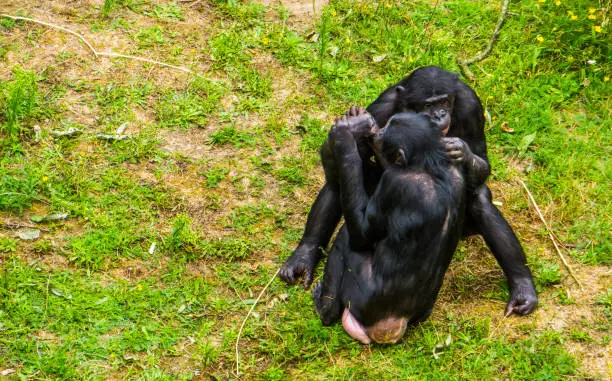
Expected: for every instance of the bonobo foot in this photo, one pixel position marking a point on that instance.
(523, 298)
(301, 263)
(328, 307)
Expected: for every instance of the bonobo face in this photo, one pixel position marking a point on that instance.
(439, 109)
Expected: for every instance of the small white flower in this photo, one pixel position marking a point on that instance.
(591, 62)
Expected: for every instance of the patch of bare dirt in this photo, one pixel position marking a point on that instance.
(134, 270)
(192, 143)
(302, 13)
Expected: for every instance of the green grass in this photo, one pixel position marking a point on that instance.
(172, 233)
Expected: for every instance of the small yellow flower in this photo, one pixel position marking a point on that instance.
(112, 355)
(554, 28)
(570, 13)
(347, 41)
(139, 287)
(192, 51)
(541, 1)
(597, 28)
(591, 17)
(281, 33)
(557, 3)
(387, 5)
(592, 10)
(570, 58)
(333, 13)
(265, 41)
(606, 79)
(540, 39)
(45, 179)
(573, 17)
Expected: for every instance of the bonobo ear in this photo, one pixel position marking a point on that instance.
(400, 158)
(400, 89)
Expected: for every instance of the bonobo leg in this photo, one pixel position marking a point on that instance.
(326, 293)
(506, 248)
(320, 225)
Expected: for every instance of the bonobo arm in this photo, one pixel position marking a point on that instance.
(387, 104)
(325, 212)
(476, 168)
(353, 196)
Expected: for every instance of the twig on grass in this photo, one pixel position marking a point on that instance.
(247, 317)
(110, 54)
(463, 64)
(59, 27)
(551, 234)
(96, 53)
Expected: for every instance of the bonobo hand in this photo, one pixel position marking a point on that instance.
(358, 121)
(458, 150)
(523, 299)
(301, 263)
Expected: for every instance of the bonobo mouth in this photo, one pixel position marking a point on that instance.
(386, 331)
(445, 127)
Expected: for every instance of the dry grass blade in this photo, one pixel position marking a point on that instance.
(247, 317)
(551, 234)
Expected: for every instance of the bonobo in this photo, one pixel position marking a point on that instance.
(456, 111)
(388, 261)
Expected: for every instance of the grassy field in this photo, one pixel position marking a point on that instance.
(154, 241)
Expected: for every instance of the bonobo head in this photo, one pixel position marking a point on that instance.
(430, 91)
(406, 140)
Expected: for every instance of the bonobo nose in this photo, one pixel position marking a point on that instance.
(440, 114)
(388, 330)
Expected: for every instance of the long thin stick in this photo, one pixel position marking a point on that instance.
(110, 54)
(247, 317)
(463, 64)
(94, 51)
(54, 27)
(551, 234)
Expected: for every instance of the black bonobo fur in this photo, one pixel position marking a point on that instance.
(455, 110)
(390, 256)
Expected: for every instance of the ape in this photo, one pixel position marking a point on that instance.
(456, 111)
(388, 261)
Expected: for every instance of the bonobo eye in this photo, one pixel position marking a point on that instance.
(427, 106)
(445, 103)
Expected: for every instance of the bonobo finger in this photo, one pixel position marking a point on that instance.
(524, 308)
(453, 146)
(509, 311)
(353, 111)
(287, 275)
(307, 279)
(361, 111)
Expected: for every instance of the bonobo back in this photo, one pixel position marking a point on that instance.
(414, 219)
